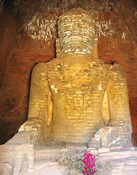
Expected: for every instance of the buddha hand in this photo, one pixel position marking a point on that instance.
(31, 125)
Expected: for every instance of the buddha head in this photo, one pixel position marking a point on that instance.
(76, 30)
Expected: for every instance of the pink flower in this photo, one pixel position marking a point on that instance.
(89, 164)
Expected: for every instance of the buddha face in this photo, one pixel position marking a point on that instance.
(76, 32)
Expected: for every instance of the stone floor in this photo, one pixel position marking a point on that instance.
(24, 160)
(124, 161)
(20, 157)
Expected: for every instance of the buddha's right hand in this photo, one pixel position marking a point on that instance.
(29, 133)
(31, 125)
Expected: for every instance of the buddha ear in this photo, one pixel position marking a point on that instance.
(94, 53)
(58, 48)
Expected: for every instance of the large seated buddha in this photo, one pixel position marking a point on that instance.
(76, 94)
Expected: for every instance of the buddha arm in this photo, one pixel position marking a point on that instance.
(119, 104)
(40, 104)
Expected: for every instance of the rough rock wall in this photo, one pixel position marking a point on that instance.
(25, 54)
(116, 28)
(7, 37)
(18, 54)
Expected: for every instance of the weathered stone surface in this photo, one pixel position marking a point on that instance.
(16, 159)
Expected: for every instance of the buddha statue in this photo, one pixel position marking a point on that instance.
(74, 95)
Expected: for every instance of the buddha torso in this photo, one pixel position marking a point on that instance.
(77, 87)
